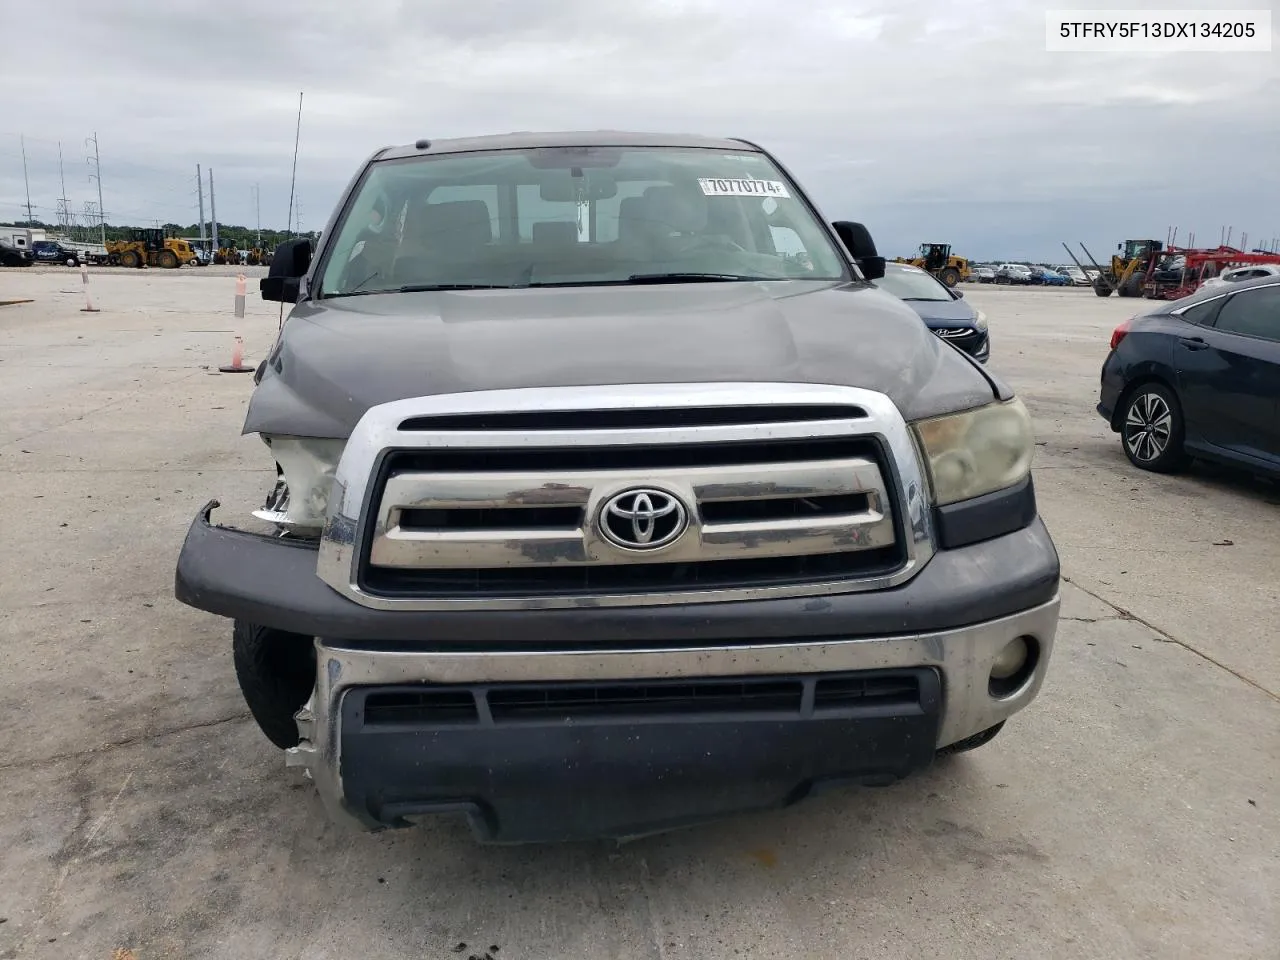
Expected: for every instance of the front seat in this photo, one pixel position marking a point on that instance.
(441, 237)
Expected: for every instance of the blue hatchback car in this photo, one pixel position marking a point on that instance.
(942, 308)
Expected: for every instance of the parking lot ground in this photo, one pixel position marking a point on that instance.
(1132, 811)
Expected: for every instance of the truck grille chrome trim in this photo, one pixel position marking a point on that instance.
(448, 519)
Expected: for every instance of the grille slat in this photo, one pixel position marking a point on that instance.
(623, 419)
(568, 701)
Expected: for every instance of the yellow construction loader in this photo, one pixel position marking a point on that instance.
(150, 248)
(937, 259)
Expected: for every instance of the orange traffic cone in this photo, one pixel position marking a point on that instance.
(237, 358)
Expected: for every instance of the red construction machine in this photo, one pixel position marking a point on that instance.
(1179, 272)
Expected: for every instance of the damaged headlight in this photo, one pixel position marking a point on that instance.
(304, 476)
(978, 451)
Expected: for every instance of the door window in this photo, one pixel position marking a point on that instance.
(1252, 313)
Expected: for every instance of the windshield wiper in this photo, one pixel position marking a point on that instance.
(687, 277)
(428, 287)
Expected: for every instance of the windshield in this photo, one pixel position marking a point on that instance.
(912, 285)
(575, 216)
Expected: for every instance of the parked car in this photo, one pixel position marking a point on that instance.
(1236, 275)
(592, 537)
(1077, 276)
(1014, 273)
(1199, 377)
(12, 256)
(1049, 278)
(942, 308)
(51, 251)
(984, 275)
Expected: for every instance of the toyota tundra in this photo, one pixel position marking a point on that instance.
(610, 495)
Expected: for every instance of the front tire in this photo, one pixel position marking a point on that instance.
(130, 259)
(950, 276)
(168, 260)
(1152, 429)
(276, 671)
(1102, 288)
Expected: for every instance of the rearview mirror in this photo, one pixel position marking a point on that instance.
(857, 240)
(289, 265)
(569, 189)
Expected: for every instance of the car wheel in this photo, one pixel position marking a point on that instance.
(1151, 428)
(276, 672)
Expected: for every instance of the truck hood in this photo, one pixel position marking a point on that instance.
(336, 358)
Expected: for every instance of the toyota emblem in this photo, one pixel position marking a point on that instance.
(643, 519)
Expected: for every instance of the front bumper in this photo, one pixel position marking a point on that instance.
(557, 778)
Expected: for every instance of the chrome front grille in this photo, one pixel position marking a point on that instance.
(504, 519)
(783, 490)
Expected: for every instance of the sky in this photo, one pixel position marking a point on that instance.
(928, 120)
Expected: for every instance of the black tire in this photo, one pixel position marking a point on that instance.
(130, 259)
(1152, 428)
(979, 739)
(168, 260)
(1132, 287)
(950, 276)
(1102, 288)
(276, 671)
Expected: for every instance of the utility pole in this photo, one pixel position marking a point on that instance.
(257, 211)
(23, 141)
(200, 191)
(97, 175)
(213, 212)
(64, 206)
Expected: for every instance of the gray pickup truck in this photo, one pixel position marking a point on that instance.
(611, 496)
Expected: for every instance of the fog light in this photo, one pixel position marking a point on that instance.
(1010, 660)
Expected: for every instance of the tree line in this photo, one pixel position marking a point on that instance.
(243, 238)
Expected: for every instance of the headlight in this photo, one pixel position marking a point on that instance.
(305, 466)
(978, 451)
(980, 321)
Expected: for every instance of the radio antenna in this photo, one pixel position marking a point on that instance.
(293, 182)
(294, 179)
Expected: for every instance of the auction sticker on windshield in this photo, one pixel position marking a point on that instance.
(720, 187)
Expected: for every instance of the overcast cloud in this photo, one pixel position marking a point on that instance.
(929, 121)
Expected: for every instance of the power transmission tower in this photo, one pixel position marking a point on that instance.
(97, 175)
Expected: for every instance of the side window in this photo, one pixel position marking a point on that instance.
(1202, 313)
(1252, 313)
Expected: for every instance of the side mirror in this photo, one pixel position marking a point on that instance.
(289, 264)
(958, 294)
(857, 240)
